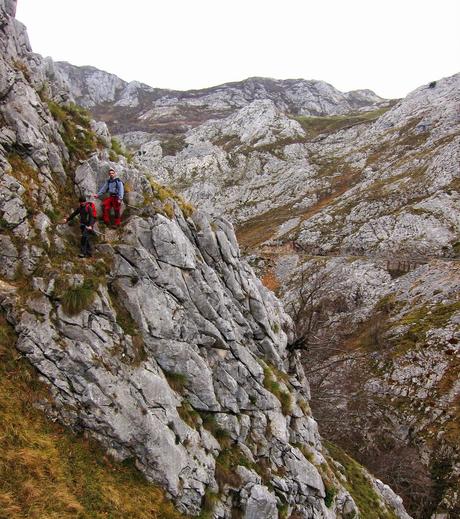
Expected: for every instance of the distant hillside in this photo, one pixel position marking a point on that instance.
(129, 107)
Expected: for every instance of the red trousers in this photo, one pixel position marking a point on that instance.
(109, 203)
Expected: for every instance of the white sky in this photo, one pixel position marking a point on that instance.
(392, 47)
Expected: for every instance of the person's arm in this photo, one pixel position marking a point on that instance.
(103, 189)
(73, 215)
(121, 190)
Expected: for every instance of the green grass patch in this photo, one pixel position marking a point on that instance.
(208, 504)
(315, 126)
(421, 320)
(129, 327)
(189, 415)
(272, 384)
(75, 129)
(177, 381)
(165, 194)
(173, 145)
(359, 485)
(124, 319)
(227, 461)
(117, 150)
(28, 177)
(220, 434)
(283, 510)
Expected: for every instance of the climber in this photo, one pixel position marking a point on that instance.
(87, 212)
(114, 186)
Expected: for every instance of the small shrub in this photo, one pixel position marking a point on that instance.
(75, 129)
(116, 146)
(4, 225)
(20, 66)
(113, 157)
(227, 461)
(283, 510)
(173, 145)
(275, 327)
(163, 193)
(331, 491)
(305, 406)
(54, 215)
(208, 505)
(359, 485)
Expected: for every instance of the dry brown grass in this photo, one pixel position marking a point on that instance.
(270, 280)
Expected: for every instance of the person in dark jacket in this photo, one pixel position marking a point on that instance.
(114, 186)
(87, 212)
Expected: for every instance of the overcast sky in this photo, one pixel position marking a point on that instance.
(392, 47)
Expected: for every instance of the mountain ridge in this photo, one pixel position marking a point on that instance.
(127, 107)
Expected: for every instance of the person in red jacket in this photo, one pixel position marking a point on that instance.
(87, 212)
(114, 186)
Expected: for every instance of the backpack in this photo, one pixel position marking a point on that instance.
(118, 181)
(89, 206)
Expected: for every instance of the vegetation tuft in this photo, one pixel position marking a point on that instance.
(229, 458)
(421, 320)
(271, 384)
(189, 415)
(173, 145)
(208, 505)
(315, 126)
(75, 129)
(177, 381)
(117, 150)
(210, 423)
(166, 195)
(79, 298)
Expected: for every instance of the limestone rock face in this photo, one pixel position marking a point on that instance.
(165, 346)
(257, 124)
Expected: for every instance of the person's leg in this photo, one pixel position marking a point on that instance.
(87, 235)
(106, 204)
(83, 241)
(116, 208)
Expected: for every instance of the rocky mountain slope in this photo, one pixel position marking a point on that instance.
(139, 112)
(368, 202)
(165, 347)
(376, 196)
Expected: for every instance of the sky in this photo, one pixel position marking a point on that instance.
(390, 47)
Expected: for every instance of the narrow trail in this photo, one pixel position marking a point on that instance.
(290, 247)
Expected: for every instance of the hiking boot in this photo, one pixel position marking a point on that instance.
(81, 255)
